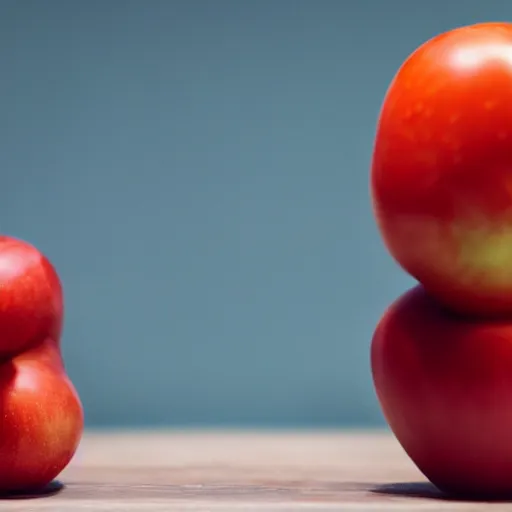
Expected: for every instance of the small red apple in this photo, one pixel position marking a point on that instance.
(444, 382)
(41, 417)
(441, 177)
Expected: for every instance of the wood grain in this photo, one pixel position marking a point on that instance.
(241, 471)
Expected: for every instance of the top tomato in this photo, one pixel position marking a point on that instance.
(441, 175)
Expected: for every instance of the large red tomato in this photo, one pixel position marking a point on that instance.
(445, 386)
(441, 177)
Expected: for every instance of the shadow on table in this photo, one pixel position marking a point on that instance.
(50, 490)
(426, 490)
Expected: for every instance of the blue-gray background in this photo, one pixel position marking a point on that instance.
(198, 173)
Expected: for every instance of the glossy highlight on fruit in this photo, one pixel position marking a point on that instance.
(441, 176)
(41, 417)
(444, 382)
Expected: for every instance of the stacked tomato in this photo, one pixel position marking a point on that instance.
(441, 183)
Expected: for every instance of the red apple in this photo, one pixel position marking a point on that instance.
(441, 177)
(41, 417)
(444, 383)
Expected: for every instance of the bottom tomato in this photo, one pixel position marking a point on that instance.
(444, 383)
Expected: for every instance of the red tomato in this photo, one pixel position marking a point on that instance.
(444, 382)
(441, 177)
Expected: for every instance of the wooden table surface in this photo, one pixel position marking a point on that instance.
(241, 471)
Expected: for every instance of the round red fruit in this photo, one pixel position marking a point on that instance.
(445, 386)
(441, 177)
